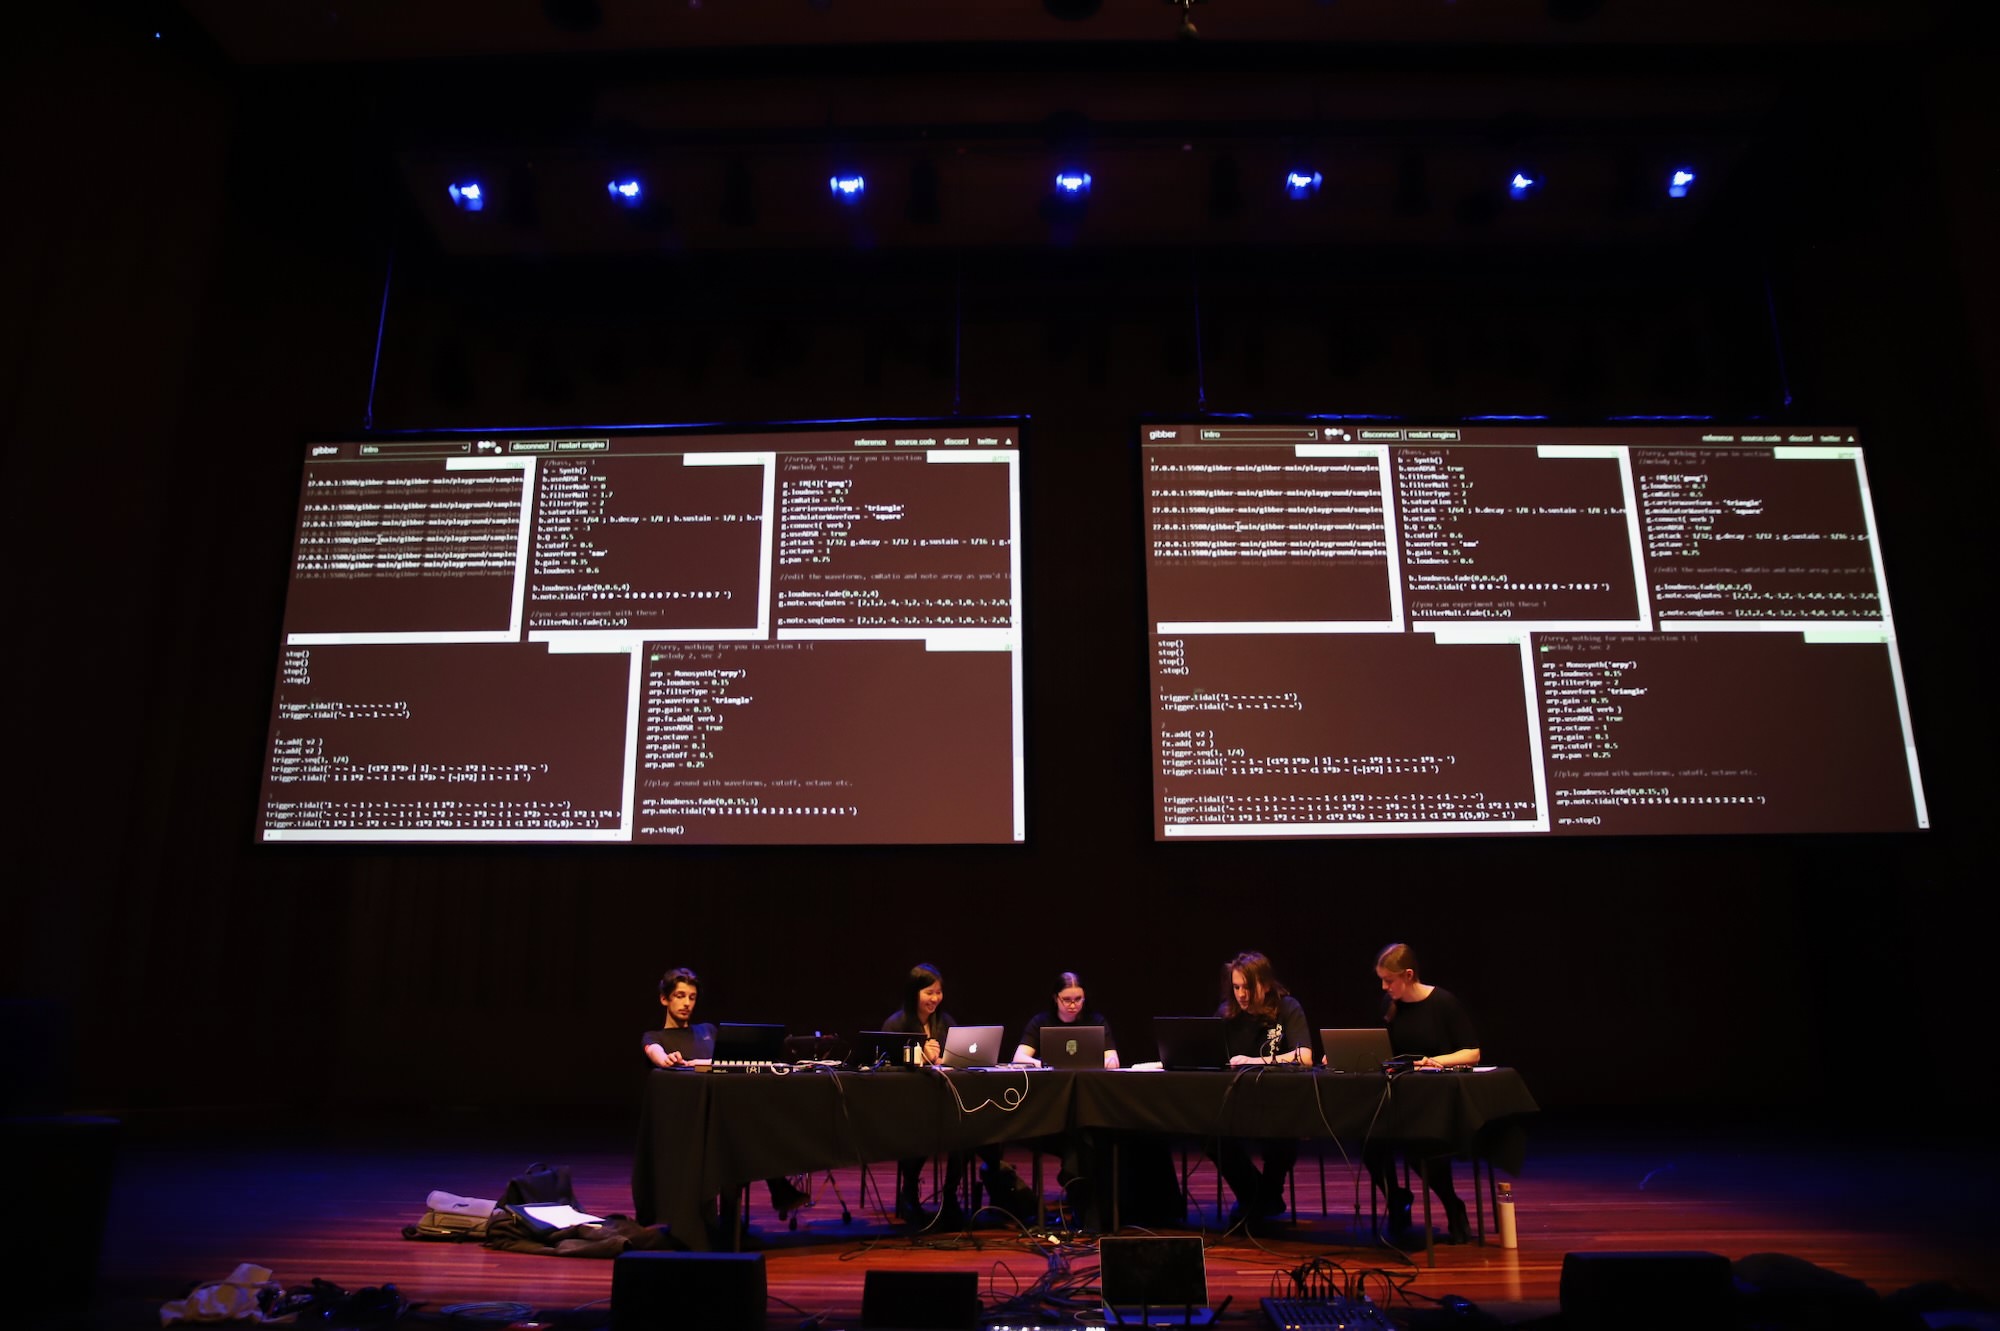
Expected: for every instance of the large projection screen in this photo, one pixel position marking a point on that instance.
(806, 636)
(1378, 629)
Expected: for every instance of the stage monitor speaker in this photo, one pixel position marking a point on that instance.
(671, 1291)
(920, 1301)
(1646, 1291)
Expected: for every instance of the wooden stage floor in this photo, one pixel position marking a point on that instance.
(190, 1202)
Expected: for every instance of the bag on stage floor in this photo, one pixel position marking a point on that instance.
(539, 1183)
(450, 1218)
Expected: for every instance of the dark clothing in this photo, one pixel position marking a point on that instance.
(1031, 1033)
(1257, 1036)
(1079, 1152)
(1260, 1193)
(910, 1170)
(901, 1023)
(696, 1041)
(1437, 1025)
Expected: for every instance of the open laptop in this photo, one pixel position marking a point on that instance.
(1362, 1049)
(741, 1043)
(1071, 1046)
(1191, 1044)
(972, 1046)
(1154, 1282)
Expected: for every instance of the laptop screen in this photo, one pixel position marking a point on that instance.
(1072, 1046)
(972, 1046)
(1191, 1043)
(1162, 1274)
(746, 1043)
(1359, 1049)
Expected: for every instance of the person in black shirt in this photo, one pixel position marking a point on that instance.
(1426, 1022)
(680, 989)
(678, 1042)
(1081, 1160)
(923, 1014)
(1264, 1025)
(1066, 1008)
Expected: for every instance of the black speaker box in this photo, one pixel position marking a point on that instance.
(1647, 1291)
(669, 1291)
(920, 1300)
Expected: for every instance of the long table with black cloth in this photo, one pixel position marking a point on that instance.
(706, 1134)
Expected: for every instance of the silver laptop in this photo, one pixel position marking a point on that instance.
(1154, 1282)
(1363, 1049)
(1071, 1046)
(972, 1046)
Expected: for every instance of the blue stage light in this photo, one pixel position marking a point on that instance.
(467, 196)
(847, 188)
(1075, 184)
(1680, 182)
(1302, 184)
(1523, 184)
(627, 192)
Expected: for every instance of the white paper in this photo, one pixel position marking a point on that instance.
(561, 1214)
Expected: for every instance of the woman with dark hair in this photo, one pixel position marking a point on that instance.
(1427, 1023)
(1066, 1008)
(923, 1015)
(1263, 1024)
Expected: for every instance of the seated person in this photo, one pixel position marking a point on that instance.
(1077, 1150)
(1264, 1025)
(679, 1042)
(1428, 1022)
(679, 989)
(922, 1014)
(1066, 1008)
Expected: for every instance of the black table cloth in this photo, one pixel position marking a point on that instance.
(705, 1134)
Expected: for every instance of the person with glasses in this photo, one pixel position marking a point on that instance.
(1066, 1007)
(1079, 1152)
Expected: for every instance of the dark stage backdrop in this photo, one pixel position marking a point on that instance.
(167, 359)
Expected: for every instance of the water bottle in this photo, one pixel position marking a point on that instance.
(1503, 1216)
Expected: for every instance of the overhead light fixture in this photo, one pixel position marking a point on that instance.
(626, 192)
(847, 188)
(1302, 184)
(1523, 184)
(1073, 184)
(467, 195)
(1680, 182)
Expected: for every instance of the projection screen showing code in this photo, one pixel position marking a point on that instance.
(670, 637)
(1389, 630)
